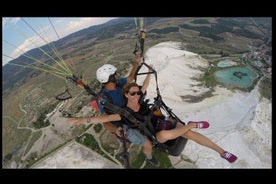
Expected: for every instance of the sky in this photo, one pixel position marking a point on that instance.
(20, 34)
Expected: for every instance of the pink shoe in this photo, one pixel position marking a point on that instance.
(200, 124)
(229, 157)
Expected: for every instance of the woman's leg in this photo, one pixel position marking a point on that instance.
(186, 132)
(203, 140)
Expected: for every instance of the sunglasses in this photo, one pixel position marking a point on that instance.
(132, 93)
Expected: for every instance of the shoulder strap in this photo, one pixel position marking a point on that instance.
(124, 113)
(105, 95)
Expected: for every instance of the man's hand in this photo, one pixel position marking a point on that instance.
(151, 69)
(137, 59)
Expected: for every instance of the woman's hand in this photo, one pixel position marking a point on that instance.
(76, 121)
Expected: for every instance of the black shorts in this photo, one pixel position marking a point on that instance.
(163, 125)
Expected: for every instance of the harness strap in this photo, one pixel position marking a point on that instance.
(134, 122)
(149, 123)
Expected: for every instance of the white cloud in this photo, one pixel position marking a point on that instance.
(6, 21)
(81, 23)
(27, 45)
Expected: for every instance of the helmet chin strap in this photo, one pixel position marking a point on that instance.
(112, 79)
(111, 84)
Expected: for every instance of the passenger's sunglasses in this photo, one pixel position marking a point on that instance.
(132, 93)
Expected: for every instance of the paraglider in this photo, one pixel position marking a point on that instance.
(66, 71)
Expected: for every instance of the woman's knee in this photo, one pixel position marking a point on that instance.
(188, 135)
(162, 136)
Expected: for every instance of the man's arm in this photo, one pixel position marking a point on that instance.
(147, 80)
(136, 63)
